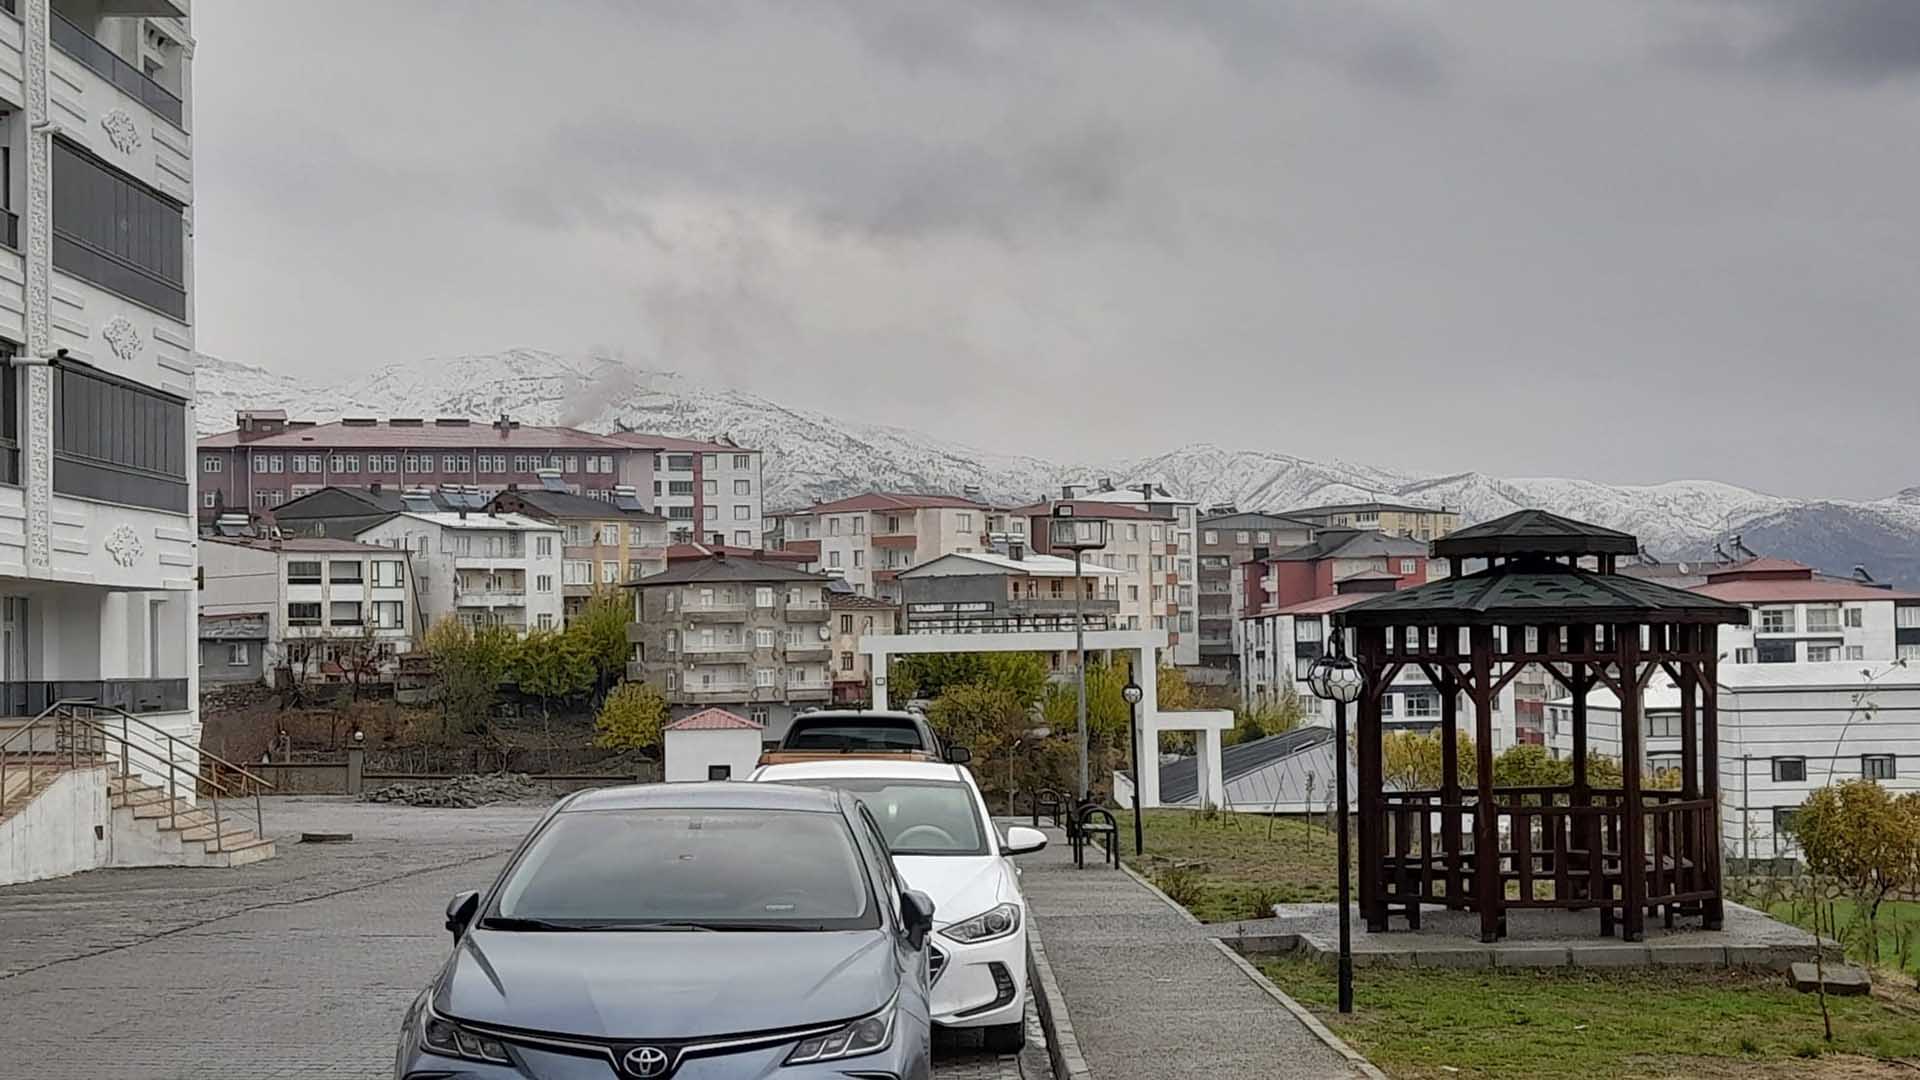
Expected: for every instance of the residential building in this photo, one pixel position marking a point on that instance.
(268, 460)
(744, 635)
(854, 617)
(793, 559)
(1802, 617)
(332, 610)
(1139, 546)
(1228, 538)
(344, 511)
(1182, 580)
(481, 568)
(233, 648)
(978, 592)
(710, 491)
(868, 540)
(712, 744)
(605, 542)
(96, 403)
(1394, 519)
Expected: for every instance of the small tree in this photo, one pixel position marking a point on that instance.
(549, 665)
(631, 718)
(468, 664)
(599, 635)
(1866, 841)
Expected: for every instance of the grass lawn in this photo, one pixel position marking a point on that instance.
(1587, 1025)
(1896, 917)
(1233, 866)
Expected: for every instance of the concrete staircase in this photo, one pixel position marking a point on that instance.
(151, 829)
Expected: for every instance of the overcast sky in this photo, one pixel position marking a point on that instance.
(1619, 240)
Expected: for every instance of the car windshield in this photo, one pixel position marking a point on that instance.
(919, 817)
(855, 735)
(717, 869)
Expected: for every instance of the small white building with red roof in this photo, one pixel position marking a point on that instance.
(712, 744)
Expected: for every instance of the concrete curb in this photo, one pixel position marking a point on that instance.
(1300, 1012)
(1164, 898)
(1063, 1049)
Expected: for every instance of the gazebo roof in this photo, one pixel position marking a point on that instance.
(1532, 591)
(1534, 532)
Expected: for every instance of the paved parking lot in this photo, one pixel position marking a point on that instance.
(299, 966)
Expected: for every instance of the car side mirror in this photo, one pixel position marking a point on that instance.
(460, 912)
(1022, 840)
(916, 910)
(958, 755)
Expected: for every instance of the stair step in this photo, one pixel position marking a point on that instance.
(242, 856)
(144, 796)
(235, 840)
(164, 808)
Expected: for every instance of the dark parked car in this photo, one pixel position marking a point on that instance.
(863, 732)
(686, 931)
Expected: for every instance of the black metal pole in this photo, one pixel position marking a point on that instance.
(1346, 915)
(1133, 752)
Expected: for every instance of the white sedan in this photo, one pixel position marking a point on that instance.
(945, 845)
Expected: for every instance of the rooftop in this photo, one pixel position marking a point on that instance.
(1180, 780)
(855, 602)
(883, 501)
(1255, 519)
(1089, 508)
(1353, 544)
(565, 504)
(453, 434)
(723, 568)
(714, 720)
(677, 552)
(451, 519)
(1323, 605)
(1030, 566)
(646, 441)
(1528, 590)
(299, 544)
(1534, 532)
(1361, 507)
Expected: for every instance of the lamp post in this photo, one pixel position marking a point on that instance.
(1133, 694)
(1079, 535)
(1335, 678)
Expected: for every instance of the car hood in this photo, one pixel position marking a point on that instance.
(961, 886)
(665, 984)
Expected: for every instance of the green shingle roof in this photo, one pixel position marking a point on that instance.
(1534, 532)
(1537, 591)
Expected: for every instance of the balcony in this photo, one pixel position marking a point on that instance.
(807, 650)
(816, 690)
(896, 541)
(488, 561)
(134, 695)
(739, 691)
(69, 38)
(716, 613)
(490, 598)
(808, 612)
(1055, 606)
(729, 652)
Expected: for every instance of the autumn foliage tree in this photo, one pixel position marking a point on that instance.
(1866, 841)
(631, 718)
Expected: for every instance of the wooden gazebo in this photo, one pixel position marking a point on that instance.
(1535, 588)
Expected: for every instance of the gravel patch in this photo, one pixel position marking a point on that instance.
(460, 792)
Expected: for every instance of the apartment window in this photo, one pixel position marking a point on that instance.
(1907, 617)
(963, 523)
(710, 487)
(1878, 767)
(1856, 652)
(1783, 822)
(543, 583)
(743, 461)
(1239, 537)
(341, 572)
(303, 614)
(1209, 537)
(1407, 566)
(1306, 631)
(610, 573)
(763, 637)
(209, 499)
(116, 232)
(1263, 537)
(1909, 652)
(1743, 656)
(118, 441)
(260, 463)
(593, 463)
(846, 624)
(1159, 622)
(303, 572)
(576, 572)
(1855, 617)
(543, 546)
(610, 535)
(1133, 532)
(1133, 562)
(576, 536)
(833, 558)
(1423, 704)
(680, 487)
(388, 614)
(1789, 770)
(1133, 592)
(1823, 620)
(846, 661)
(237, 654)
(679, 462)
(1776, 620)
(1159, 564)
(1663, 726)
(858, 557)
(742, 513)
(742, 538)
(1822, 654)
(763, 676)
(1774, 652)
(207, 464)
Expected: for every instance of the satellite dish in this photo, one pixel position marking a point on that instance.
(825, 634)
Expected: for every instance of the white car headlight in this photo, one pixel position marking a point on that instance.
(994, 923)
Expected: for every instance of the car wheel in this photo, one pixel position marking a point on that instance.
(1005, 1038)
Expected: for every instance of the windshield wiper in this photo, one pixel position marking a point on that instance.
(514, 922)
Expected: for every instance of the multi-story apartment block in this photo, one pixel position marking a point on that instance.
(331, 610)
(854, 617)
(978, 592)
(1182, 582)
(740, 634)
(268, 460)
(1801, 617)
(710, 492)
(1394, 519)
(605, 543)
(1227, 539)
(479, 567)
(868, 540)
(1141, 547)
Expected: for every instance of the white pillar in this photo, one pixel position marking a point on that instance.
(879, 669)
(1216, 785)
(1148, 676)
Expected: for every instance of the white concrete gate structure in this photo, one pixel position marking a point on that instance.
(1143, 645)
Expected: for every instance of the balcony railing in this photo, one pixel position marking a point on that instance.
(134, 695)
(10, 229)
(976, 624)
(82, 46)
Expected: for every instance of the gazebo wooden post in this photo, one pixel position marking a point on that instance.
(1369, 646)
(1581, 685)
(1714, 913)
(1689, 714)
(1450, 768)
(1633, 840)
(1488, 890)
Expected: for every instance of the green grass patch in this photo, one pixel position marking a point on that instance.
(1896, 919)
(1233, 866)
(1585, 1025)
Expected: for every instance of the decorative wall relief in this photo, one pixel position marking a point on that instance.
(122, 337)
(124, 545)
(121, 130)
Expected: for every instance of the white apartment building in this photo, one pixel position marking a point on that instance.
(333, 610)
(1183, 635)
(1140, 548)
(1801, 617)
(480, 568)
(1784, 732)
(868, 540)
(710, 492)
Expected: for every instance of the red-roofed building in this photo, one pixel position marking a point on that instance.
(1803, 617)
(868, 539)
(712, 744)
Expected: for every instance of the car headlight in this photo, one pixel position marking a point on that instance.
(868, 1035)
(997, 922)
(448, 1039)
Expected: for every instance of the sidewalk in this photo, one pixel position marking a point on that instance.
(1149, 994)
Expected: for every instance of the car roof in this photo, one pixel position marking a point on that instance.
(711, 795)
(858, 767)
(859, 714)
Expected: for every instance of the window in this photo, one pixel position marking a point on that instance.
(1423, 704)
(742, 461)
(833, 558)
(963, 523)
(1789, 770)
(1133, 592)
(116, 232)
(1663, 726)
(1133, 563)
(763, 638)
(1210, 537)
(1776, 620)
(117, 441)
(1659, 763)
(1878, 767)
(576, 572)
(1743, 656)
(763, 676)
(846, 661)
(545, 622)
(709, 487)
(1133, 532)
(1783, 820)
(1907, 652)
(680, 463)
(610, 535)
(209, 499)
(1823, 620)
(1774, 652)
(1855, 617)
(742, 513)
(610, 572)
(303, 614)
(1306, 630)
(344, 613)
(303, 572)
(1821, 654)
(543, 546)
(1241, 537)
(543, 583)
(388, 614)
(1907, 617)
(763, 596)
(1263, 537)
(709, 461)
(237, 654)
(742, 538)
(212, 465)
(710, 513)
(340, 572)
(1407, 566)
(259, 463)
(1856, 652)
(857, 557)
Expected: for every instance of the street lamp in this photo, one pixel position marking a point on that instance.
(1335, 678)
(1133, 694)
(1080, 535)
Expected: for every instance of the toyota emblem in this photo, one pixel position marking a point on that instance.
(645, 1062)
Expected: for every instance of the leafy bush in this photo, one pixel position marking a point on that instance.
(632, 718)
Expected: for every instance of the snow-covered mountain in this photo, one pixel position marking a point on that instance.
(811, 456)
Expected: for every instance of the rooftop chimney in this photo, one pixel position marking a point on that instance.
(1106, 483)
(1860, 574)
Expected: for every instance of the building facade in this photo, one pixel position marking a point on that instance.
(748, 636)
(1139, 546)
(869, 540)
(1227, 539)
(481, 568)
(1394, 519)
(974, 592)
(332, 610)
(96, 325)
(1182, 577)
(709, 491)
(605, 543)
(1801, 617)
(855, 617)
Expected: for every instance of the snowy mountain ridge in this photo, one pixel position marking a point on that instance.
(813, 456)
